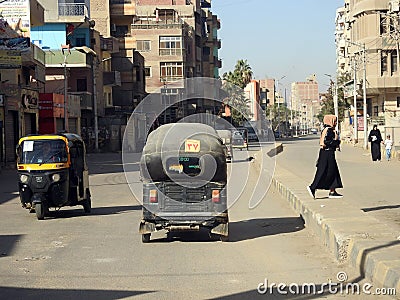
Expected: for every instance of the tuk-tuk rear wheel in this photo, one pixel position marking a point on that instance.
(146, 237)
(40, 211)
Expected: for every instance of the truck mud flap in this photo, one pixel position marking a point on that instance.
(146, 227)
(221, 229)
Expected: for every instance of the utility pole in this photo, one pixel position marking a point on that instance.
(365, 99)
(96, 124)
(355, 119)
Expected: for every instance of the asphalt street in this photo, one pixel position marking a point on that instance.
(71, 255)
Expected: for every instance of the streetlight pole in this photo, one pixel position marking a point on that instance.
(277, 87)
(65, 92)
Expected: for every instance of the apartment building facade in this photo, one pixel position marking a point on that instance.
(306, 101)
(22, 74)
(373, 25)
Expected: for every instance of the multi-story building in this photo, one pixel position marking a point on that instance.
(22, 74)
(306, 101)
(373, 25)
(78, 64)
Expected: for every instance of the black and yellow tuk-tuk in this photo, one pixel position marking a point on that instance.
(184, 173)
(52, 172)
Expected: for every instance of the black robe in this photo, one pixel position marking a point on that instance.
(327, 176)
(375, 138)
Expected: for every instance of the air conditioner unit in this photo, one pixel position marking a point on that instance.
(394, 6)
(113, 27)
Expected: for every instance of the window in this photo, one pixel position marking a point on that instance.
(147, 71)
(81, 85)
(398, 101)
(80, 41)
(121, 31)
(170, 45)
(376, 110)
(171, 70)
(384, 63)
(143, 46)
(383, 25)
(393, 59)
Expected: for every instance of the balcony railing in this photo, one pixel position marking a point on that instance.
(72, 9)
(158, 26)
(85, 98)
(120, 1)
(170, 51)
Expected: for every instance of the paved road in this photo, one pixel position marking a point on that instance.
(100, 256)
(369, 186)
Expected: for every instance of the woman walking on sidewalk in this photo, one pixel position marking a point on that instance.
(327, 176)
(375, 138)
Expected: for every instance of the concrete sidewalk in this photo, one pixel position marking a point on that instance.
(370, 242)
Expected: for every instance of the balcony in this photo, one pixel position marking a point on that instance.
(158, 26)
(109, 44)
(73, 10)
(171, 51)
(122, 8)
(74, 59)
(219, 43)
(33, 56)
(112, 78)
(86, 100)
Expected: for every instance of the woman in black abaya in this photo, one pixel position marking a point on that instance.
(327, 176)
(375, 138)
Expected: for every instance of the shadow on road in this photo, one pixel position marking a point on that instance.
(96, 211)
(255, 228)
(61, 294)
(7, 244)
(240, 231)
(380, 208)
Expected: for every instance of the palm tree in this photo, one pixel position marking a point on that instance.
(237, 81)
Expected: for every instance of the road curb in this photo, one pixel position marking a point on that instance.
(350, 234)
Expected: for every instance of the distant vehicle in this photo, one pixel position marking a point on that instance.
(239, 138)
(251, 135)
(314, 130)
(226, 137)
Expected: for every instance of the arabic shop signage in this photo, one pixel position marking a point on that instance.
(29, 99)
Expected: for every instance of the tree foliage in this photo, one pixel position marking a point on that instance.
(328, 104)
(237, 80)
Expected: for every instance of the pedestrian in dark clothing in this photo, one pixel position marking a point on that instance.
(327, 176)
(375, 138)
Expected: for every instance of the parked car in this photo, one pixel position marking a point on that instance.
(314, 130)
(251, 135)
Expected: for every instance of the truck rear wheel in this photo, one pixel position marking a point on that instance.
(146, 237)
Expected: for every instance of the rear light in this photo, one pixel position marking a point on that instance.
(153, 196)
(215, 196)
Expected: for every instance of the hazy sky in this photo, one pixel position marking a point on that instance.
(292, 38)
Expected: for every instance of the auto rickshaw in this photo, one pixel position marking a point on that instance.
(52, 173)
(184, 173)
(240, 138)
